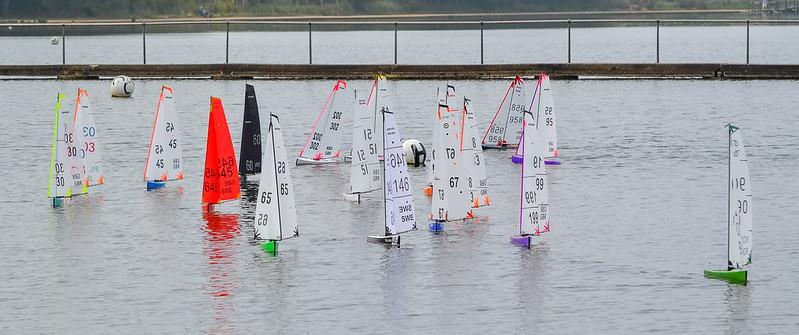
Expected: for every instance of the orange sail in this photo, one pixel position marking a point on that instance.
(221, 177)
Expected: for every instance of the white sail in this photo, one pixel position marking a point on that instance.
(450, 193)
(505, 129)
(87, 131)
(477, 178)
(324, 141)
(66, 169)
(548, 118)
(443, 96)
(165, 158)
(400, 214)
(275, 212)
(534, 194)
(740, 204)
(365, 166)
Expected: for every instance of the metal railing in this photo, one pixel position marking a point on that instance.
(565, 23)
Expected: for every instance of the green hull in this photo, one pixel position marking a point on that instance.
(270, 247)
(732, 276)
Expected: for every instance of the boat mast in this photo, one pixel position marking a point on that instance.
(274, 165)
(385, 205)
(729, 186)
(521, 183)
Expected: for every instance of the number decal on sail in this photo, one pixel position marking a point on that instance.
(739, 183)
(281, 167)
(529, 197)
(266, 197)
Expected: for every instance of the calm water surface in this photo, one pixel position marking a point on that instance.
(678, 44)
(638, 211)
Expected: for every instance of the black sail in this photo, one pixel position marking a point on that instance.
(250, 153)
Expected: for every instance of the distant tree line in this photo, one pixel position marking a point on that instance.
(45, 9)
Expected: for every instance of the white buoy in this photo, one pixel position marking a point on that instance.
(54, 40)
(415, 153)
(122, 87)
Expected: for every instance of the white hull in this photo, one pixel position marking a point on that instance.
(310, 161)
(354, 197)
(392, 239)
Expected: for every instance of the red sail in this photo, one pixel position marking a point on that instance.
(221, 177)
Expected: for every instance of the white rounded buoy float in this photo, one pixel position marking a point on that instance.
(415, 153)
(122, 87)
(54, 40)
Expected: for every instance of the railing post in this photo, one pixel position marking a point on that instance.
(482, 28)
(227, 42)
(144, 42)
(747, 42)
(310, 43)
(658, 41)
(569, 43)
(395, 42)
(64, 44)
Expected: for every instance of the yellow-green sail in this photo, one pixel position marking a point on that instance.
(52, 193)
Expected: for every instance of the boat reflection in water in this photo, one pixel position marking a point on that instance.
(221, 230)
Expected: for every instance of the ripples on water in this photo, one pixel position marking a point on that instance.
(638, 212)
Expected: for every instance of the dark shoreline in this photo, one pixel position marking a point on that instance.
(663, 14)
(412, 72)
